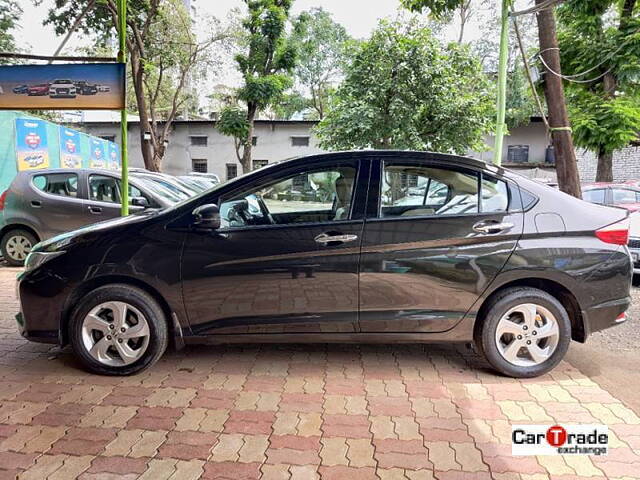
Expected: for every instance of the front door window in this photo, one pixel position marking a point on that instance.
(306, 197)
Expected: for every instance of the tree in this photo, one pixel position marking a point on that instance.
(164, 55)
(405, 90)
(600, 49)
(10, 13)
(566, 164)
(266, 66)
(322, 46)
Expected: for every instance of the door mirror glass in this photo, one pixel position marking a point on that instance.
(139, 202)
(207, 217)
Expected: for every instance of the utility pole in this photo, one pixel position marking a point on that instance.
(122, 58)
(502, 82)
(566, 163)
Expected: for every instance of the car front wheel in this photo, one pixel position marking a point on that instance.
(525, 333)
(118, 330)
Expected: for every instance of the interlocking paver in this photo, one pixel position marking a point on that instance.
(293, 412)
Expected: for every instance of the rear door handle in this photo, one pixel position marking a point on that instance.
(36, 203)
(95, 210)
(490, 227)
(325, 238)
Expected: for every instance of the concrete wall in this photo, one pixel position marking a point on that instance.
(273, 144)
(626, 164)
(532, 134)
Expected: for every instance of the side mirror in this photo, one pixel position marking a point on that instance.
(207, 217)
(139, 202)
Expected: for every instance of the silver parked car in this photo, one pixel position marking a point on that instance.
(40, 204)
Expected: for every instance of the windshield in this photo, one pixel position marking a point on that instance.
(160, 190)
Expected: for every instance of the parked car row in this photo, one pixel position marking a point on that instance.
(42, 203)
(61, 88)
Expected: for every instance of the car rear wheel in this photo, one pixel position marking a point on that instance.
(525, 333)
(16, 245)
(118, 330)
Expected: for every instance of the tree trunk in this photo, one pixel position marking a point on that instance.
(145, 122)
(605, 167)
(566, 164)
(248, 142)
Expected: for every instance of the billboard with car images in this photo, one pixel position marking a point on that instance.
(70, 148)
(32, 150)
(61, 87)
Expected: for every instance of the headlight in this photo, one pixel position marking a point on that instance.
(35, 259)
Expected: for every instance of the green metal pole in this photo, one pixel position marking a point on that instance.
(502, 82)
(122, 58)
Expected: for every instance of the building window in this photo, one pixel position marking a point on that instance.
(518, 154)
(198, 140)
(254, 141)
(232, 171)
(199, 165)
(259, 164)
(111, 138)
(299, 141)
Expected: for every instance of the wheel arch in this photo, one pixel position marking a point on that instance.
(553, 288)
(19, 226)
(175, 329)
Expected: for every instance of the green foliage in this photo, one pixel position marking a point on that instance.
(10, 13)
(322, 46)
(600, 47)
(604, 126)
(233, 123)
(267, 65)
(520, 106)
(437, 8)
(405, 90)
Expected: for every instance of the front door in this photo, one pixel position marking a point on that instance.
(285, 259)
(435, 237)
(103, 198)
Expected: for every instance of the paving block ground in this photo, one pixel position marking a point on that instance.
(292, 412)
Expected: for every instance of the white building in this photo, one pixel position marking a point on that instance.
(196, 145)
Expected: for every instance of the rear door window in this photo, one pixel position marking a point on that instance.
(622, 196)
(495, 195)
(63, 184)
(410, 190)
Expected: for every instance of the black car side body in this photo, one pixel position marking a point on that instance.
(418, 279)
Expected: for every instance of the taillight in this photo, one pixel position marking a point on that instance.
(616, 233)
(3, 197)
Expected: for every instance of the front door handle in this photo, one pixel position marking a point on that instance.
(325, 239)
(36, 203)
(492, 227)
(95, 210)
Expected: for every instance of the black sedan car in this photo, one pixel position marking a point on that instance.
(375, 246)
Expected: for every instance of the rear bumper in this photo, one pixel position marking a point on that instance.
(605, 315)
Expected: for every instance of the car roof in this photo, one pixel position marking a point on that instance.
(591, 186)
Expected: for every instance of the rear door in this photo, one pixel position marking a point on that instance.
(432, 243)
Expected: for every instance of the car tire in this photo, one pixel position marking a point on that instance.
(108, 350)
(525, 333)
(15, 246)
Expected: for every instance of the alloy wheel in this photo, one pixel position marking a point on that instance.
(18, 247)
(527, 335)
(115, 333)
